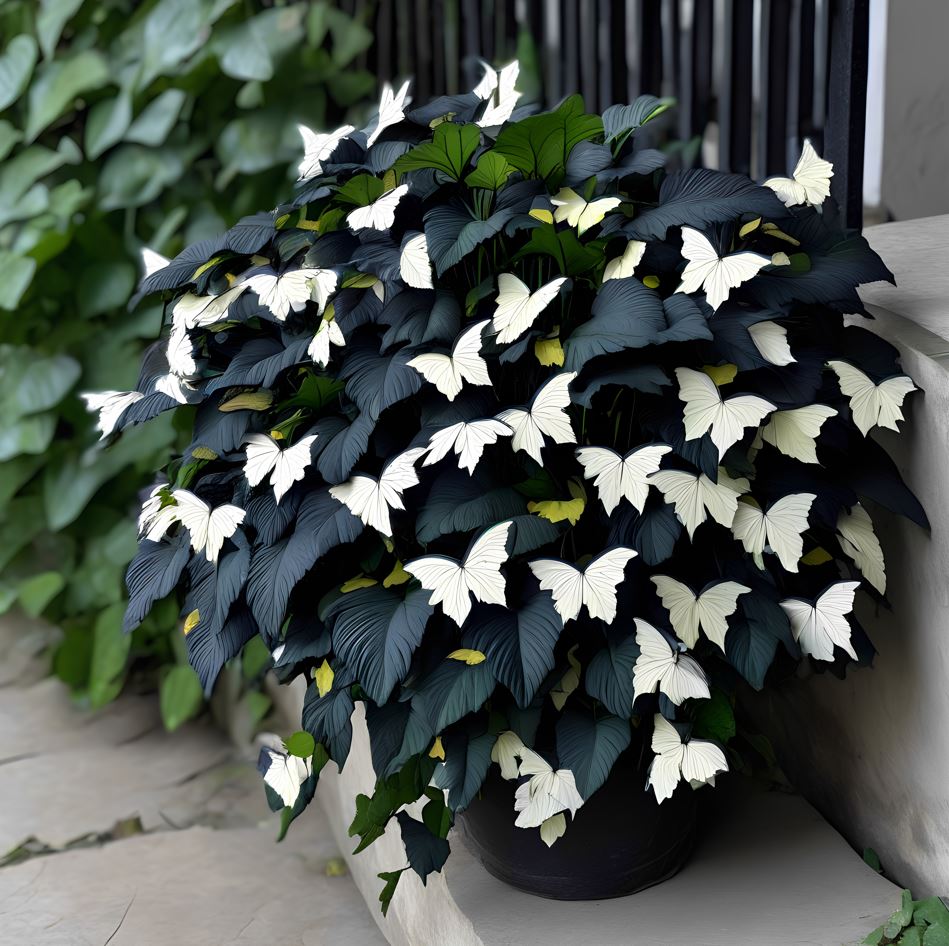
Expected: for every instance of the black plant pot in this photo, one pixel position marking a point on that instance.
(621, 840)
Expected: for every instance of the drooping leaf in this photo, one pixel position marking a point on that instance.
(426, 851)
(589, 747)
(153, 573)
(467, 761)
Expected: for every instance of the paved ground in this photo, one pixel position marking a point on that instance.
(132, 837)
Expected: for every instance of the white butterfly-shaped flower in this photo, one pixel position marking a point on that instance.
(593, 586)
(662, 664)
(156, 517)
(780, 529)
(771, 340)
(207, 527)
(449, 372)
(177, 388)
(706, 412)
(453, 583)
(286, 465)
(506, 751)
(859, 541)
(710, 609)
(545, 417)
(517, 307)
(110, 405)
(619, 477)
(698, 761)
(468, 439)
(872, 404)
(715, 275)
(553, 828)
(624, 266)
(580, 213)
(329, 333)
(371, 499)
(318, 147)
(380, 214)
(391, 110)
(292, 290)
(695, 495)
(152, 262)
(499, 92)
(180, 352)
(821, 625)
(809, 183)
(192, 311)
(415, 265)
(284, 773)
(795, 432)
(545, 794)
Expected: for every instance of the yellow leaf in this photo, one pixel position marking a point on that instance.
(191, 622)
(248, 401)
(204, 267)
(203, 453)
(388, 181)
(447, 117)
(336, 867)
(323, 677)
(276, 434)
(329, 313)
(360, 581)
(308, 224)
(749, 227)
(398, 576)
(651, 282)
(721, 374)
(772, 230)
(470, 657)
(817, 556)
(557, 510)
(549, 352)
(387, 542)
(780, 259)
(438, 750)
(281, 220)
(544, 216)
(360, 281)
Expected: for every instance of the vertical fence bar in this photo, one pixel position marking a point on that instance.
(772, 130)
(735, 104)
(847, 104)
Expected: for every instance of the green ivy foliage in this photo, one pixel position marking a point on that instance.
(125, 124)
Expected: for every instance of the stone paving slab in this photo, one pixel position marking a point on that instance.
(197, 887)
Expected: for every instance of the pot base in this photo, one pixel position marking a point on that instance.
(620, 842)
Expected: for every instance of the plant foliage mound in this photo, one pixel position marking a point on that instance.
(527, 445)
(123, 125)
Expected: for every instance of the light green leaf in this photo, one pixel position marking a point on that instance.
(53, 16)
(301, 744)
(16, 274)
(174, 30)
(350, 38)
(134, 175)
(9, 136)
(36, 593)
(449, 151)
(254, 143)
(59, 83)
(16, 67)
(156, 120)
(29, 435)
(491, 171)
(110, 650)
(107, 122)
(244, 54)
(30, 383)
(105, 286)
(180, 696)
(22, 171)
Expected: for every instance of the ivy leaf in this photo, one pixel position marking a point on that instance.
(375, 632)
(589, 747)
(625, 314)
(449, 151)
(519, 645)
(539, 146)
(697, 197)
(491, 172)
(573, 258)
(391, 878)
(426, 851)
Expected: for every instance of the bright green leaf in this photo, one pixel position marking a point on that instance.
(301, 744)
(110, 650)
(53, 16)
(16, 67)
(180, 696)
(156, 120)
(106, 123)
(491, 171)
(36, 593)
(449, 151)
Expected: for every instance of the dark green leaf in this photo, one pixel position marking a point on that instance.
(589, 747)
(426, 852)
(449, 151)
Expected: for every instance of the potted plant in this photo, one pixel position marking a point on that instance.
(536, 450)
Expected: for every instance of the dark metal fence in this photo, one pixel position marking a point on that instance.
(752, 77)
